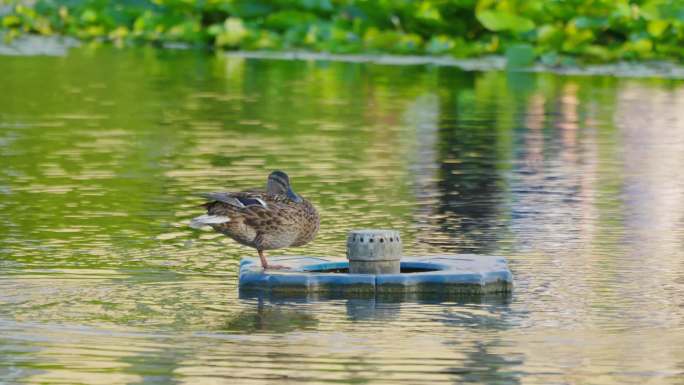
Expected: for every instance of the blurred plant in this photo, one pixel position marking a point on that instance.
(552, 31)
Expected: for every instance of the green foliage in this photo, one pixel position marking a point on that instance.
(495, 20)
(519, 55)
(556, 31)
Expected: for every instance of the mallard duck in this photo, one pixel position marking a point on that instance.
(265, 220)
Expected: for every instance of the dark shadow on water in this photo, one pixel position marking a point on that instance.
(269, 319)
(156, 366)
(482, 366)
(371, 309)
(365, 306)
(468, 158)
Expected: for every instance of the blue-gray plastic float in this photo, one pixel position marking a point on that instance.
(452, 274)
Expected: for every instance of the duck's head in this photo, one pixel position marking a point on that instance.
(279, 183)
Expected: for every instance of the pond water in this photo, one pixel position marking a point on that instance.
(577, 180)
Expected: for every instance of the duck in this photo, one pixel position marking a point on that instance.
(269, 219)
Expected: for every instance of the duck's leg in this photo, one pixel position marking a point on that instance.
(264, 262)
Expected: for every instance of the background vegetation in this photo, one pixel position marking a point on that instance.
(553, 31)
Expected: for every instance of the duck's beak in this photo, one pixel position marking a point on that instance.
(293, 196)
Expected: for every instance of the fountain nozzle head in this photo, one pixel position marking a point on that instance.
(374, 251)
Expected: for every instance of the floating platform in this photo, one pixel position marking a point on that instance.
(453, 274)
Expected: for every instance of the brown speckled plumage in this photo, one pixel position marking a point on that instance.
(265, 220)
(282, 223)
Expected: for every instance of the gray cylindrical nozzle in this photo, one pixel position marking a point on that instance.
(374, 252)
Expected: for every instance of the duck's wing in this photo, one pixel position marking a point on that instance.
(239, 200)
(226, 207)
(276, 211)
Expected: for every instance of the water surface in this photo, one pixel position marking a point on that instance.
(577, 180)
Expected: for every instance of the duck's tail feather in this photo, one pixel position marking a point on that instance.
(206, 219)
